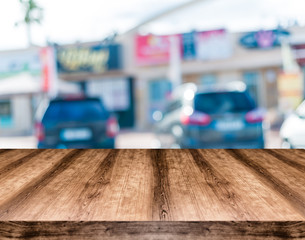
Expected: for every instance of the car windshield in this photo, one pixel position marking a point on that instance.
(80, 110)
(223, 102)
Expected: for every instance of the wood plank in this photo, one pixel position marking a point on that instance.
(217, 194)
(153, 230)
(246, 195)
(11, 205)
(281, 178)
(15, 177)
(9, 156)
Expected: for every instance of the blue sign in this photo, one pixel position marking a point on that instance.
(189, 45)
(264, 39)
(88, 59)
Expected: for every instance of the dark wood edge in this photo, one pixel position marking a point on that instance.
(151, 230)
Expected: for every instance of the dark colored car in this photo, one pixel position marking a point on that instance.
(76, 123)
(224, 117)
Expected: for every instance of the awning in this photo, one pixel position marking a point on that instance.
(20, 84)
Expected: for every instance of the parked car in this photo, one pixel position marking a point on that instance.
(76, 122)
(293, 129)
(214, 117)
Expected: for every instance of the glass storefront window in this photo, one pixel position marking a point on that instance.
(6, 119)
(159, 92)
(251, 79)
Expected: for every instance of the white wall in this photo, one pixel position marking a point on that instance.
(22, 114)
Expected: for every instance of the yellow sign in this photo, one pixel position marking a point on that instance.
(290, 89)
(74, 59)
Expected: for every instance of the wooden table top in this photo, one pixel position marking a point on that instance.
(176, 186)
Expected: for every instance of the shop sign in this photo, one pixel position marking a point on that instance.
(290, 88)
(299, 53)
(189, 45)
(49, 77)
(115, 93)
(264, 39)
(16, 62)
(208, 45)
(152, 50)
(212, 45)
(88, 59)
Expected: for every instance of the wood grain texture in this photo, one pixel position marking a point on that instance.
(235, 192)
(153, 230)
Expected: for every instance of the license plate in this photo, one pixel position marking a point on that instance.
(75, 134)
(229, 125)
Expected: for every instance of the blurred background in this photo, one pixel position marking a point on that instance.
(152, 74)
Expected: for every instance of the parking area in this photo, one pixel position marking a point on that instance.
(18, 142)
(127, 139)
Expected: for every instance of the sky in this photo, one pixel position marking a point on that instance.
(68, 21)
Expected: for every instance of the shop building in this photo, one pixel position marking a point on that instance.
(20, 90)
(132, 74)
(254, 58)
(99, 69)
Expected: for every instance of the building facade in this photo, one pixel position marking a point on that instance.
(135, 81)
(254, 58)
(20, 90)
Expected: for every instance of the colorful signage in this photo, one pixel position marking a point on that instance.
(17, 62)
(208, 45)
(88, 59)
(152, 50)
(48, 71)
(213, 45)
(299, 53)
(189, 45)
(264, 39)
(114, 92)
(290, 88)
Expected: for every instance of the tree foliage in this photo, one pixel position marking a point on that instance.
(33, 13)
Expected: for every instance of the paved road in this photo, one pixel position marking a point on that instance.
(149, 140)
(18, 142)
(124, 140)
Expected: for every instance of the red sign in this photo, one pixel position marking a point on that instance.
(45, 69)
(48, 69)
(208, 45)
(299, 51)
(152, 50)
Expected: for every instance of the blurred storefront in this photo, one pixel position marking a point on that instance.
(20, 90)
(298, 46)
(98, 68)
(207, 57)
(132, 73)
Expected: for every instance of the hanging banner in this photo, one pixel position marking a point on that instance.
(47, 60)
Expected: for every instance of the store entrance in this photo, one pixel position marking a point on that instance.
(117, 95)
(159, 93)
